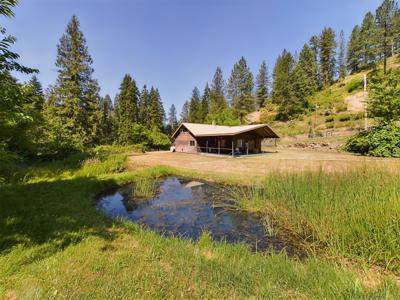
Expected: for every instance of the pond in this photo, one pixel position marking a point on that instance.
(186, 208)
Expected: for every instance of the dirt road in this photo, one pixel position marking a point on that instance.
(284, 160)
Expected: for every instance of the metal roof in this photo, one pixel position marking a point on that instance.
(199, 130)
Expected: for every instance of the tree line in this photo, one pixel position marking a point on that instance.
(71, 115)
(323, 60)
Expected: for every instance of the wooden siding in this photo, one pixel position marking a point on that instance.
(182, 143)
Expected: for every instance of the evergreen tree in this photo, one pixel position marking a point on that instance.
(384, 18)
(36, 93)
(342, 56)
(240, 88)
(195, 107)
(327, 46)
(304, 80)
(144, 107)
(262, 85)
(185, 112)
(126, 109)
(205, 103)
(314, 45)
(156, 111)
(282, 87)
(74, 101)
(172, 119)
(241, 80)
(354, 50)
(218, 83)
(368, 41)
(106, 121)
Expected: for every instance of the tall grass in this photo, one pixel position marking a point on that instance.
(144, 188)
(354, 213)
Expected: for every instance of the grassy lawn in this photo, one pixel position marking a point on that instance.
(55, 244)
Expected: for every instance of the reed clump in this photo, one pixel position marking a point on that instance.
(353, 213)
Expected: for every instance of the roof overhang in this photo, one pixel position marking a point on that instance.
(264, 130)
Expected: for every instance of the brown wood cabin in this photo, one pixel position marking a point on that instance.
(232, 140)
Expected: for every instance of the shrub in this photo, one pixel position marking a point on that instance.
(329, 119)
(341, 107)
(383, 141)
(355, 84)
(330, 125)
(357, 116)
(344, 117)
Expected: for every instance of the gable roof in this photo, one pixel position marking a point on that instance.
(199, 130)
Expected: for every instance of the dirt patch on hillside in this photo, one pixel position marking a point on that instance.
(355, 102)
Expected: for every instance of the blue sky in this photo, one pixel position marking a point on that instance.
(175, 44)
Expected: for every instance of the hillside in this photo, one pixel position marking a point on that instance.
(339, 113)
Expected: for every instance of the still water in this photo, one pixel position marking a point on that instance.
(186, 208)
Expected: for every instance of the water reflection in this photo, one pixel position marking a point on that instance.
(187, 208)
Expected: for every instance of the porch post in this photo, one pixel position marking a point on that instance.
(219, 144)
(233, 153)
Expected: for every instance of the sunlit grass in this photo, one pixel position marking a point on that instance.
(354, 213)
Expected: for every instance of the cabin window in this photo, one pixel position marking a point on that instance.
(192, 143)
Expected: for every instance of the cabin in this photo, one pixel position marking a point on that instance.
(231, 140)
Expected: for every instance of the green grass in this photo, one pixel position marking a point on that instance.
(353, 214)
(144, 188)
(55, 244)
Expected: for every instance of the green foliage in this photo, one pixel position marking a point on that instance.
(342, 69)
(225, 117)
(351, 213)
(384, 96)
(344, 117)
(268, 113)
(327, 46)
(355, 85)
(383, 140)
(240, 89)
(341, 107)
(126, 109)
(329, 119)
(72, 110)
(195, 113)
(262, 85)
(156, 110)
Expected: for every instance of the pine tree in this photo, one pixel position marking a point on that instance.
(354, 51)
(185, 112)
(106, 121)
(218, 83)
(327, 46)
(304, 78)
(156, 111)
(282, 87)
(144, 107)
(262, 85)
(368, 42)
(342, 56)
(74, 100)
(126, 109)
(205, 103)
(36, 93)
(172, 119)
(314, 45)
(384, 18)
(195, 107)
(240, 88)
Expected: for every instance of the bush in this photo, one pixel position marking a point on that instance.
(329, 119)
(341, 107)
(330, 125)
(355, 84)
(358, 116)
(344, 117)
(383, 141)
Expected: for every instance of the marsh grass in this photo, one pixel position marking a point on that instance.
(144, 188)
(354, 213)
